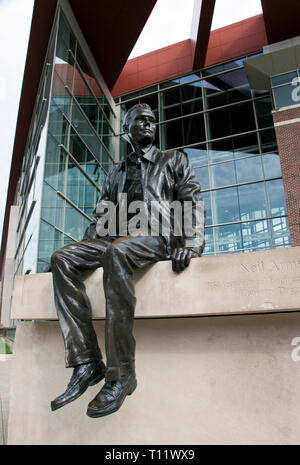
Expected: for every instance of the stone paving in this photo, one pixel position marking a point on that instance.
(5, 366)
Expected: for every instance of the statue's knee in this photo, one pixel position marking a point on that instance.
(114, 253)
(55, 257)
(111, 249)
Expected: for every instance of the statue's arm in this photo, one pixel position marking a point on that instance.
(188, 190)
(90, 232)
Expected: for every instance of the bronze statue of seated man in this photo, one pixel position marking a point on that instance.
(147, 176)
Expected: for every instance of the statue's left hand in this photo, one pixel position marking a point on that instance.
(181, 258)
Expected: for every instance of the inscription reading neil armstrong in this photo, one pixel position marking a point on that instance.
(262, 279)
(262, 267)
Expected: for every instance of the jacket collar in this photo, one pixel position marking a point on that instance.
(150, 155)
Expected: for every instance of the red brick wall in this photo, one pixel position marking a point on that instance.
(288, 139)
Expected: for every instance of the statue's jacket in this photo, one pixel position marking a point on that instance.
(166, 176)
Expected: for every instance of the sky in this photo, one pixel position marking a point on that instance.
(15, 20)
(167, 26)
(170, 22)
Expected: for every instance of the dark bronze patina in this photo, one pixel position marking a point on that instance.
(147, 174)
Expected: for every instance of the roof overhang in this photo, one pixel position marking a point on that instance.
(280, 58)
(111, 29)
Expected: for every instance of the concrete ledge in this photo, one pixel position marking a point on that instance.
(258, 282)
(225, 380)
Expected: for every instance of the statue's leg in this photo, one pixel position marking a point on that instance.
(120, 259)
(72, 303)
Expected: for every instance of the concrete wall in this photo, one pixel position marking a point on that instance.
(5, 370)
(202, 380)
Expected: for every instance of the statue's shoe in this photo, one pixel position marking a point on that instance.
(83, 376)
(111, 396)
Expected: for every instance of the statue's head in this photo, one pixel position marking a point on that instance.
(140, 124)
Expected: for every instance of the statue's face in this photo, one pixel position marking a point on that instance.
(142, 126)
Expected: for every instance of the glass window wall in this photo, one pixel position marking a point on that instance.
(227, 131)
(79, 147)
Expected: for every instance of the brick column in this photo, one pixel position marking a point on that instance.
(287, 127)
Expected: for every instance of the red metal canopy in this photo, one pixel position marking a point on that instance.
(282, 19)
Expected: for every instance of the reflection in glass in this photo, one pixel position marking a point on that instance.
(224, 66)
(283, 78)
(256, 234)
(223, 174)
(227, 88)
(58, 125)
(209, 242)
(79, 190)
(228, 238)
(65, 33)
(91, 140)
(75, 223)
(249, 170)
(271, 164)
(252, 200)
(181, 80)
(46, 249)
(220, 150)
(197, 155)
(283, 96)
(203, 177)
(276, 197)
(55, 165)
(207, 206)
(280, 232)
(52, 207)
(225, 205)
(231, 80)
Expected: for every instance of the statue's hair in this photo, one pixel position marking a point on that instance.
(143, 106)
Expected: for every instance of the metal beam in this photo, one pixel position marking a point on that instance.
(281, 19)
(201, 25)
